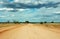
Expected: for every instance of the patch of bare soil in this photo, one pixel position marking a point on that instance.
(30, 31)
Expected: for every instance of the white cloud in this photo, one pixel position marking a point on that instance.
(3, 16)
(36, 18)
(30, 1)
(41, 2)
(21, 9)
(16, 0)
(23, 1)
(9, 9)
(57, 12)
(6, 9)
(1, 2)
(12, 15)
(35, 3)
(1, 8)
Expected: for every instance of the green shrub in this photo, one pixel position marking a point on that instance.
(26, 21)
(8, 22)
(41, 22)
(16, 22)
(52, 22)
(45, 22)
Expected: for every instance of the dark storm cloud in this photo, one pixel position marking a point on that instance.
(31, 6)
(22, 5)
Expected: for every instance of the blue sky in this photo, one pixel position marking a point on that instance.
(35, 11)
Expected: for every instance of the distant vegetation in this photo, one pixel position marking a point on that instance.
(26, 21)
(7, 21)
(17, 22)
(52, 22)
(45, 22)
(41, 22)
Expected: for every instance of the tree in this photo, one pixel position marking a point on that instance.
(8, 22)
(26, 21)
(52, 22)
(16, 22)
(41, 22)
(45, 22)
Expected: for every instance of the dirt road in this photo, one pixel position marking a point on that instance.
(29, 31)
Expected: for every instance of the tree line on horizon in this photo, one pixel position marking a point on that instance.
(17, 22)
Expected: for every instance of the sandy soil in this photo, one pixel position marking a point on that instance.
(29, 31)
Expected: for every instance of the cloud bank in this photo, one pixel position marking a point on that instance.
(31, 5)
(35, 12)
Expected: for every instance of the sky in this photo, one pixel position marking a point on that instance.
(30, 10)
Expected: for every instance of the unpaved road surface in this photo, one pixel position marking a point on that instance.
(29, 31)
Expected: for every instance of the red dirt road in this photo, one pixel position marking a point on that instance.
(29, 31)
